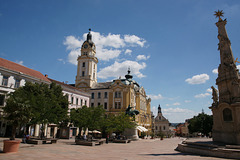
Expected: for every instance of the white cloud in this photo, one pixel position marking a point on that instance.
(176, 115)
(176, 104)
(167, 105)
(19, 62)
(61, 60)
(238, 67)
(215, 71)
(128, 51)
(132, 39)
(120, 69)
(155, 97)
(154, 109)
(202, 95)
(107, 47)
(198, 79)
(209, 90)
(187, 101)
(142, 57)
(72, 43)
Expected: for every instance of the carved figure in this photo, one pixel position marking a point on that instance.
(131, 112)
(214, 95)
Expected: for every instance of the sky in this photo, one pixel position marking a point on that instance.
(170, 46)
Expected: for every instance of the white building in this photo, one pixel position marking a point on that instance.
(76, 98)
(13, 75)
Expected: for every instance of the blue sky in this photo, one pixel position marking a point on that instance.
(170, 46)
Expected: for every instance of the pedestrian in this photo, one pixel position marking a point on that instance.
(24, 137)
(107, 139)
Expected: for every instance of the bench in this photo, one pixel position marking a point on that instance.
(84, 142)
(121, 140)
(41, 141)
(99, 142)
(34, 141)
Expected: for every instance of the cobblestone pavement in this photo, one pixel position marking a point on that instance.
(146, 149)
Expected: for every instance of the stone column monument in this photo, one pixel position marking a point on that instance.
(226, 105)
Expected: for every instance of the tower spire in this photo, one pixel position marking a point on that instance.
(159, 109)
(227, 80)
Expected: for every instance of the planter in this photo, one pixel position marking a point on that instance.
(10, 146)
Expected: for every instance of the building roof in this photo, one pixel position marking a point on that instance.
(21, 69)
(104, 85)
(73, 89)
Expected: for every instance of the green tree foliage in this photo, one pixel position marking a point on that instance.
(118, 123)
(88, 117)
(18, 110)
(201, 123)
(37, 104)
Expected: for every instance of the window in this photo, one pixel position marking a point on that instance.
(2, 97)
(92, 104)
(105, 95)
(160, 128)
(117, 94)
(164, 127)
(99, 94)
(117, 105)
(92, 95)
(81, 102)
(156, 128)
(227, 114)
(85, 103)
(83, 73)
(17, 83)
(5, 81)
(77, 101)
(105, 105)
(83, 65)
(159, 117)
(99, 104)
(72, 100)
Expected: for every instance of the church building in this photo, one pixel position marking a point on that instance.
(161, 123)
(114, 96)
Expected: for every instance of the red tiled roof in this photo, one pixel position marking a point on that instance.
(20, 68)
(67, 85)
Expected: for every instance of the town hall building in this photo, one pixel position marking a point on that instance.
(114, 96)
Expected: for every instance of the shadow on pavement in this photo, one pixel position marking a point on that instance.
(165, 154)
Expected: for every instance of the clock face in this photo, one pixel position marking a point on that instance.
(85, 46)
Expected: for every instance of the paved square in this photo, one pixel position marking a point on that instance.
(137, 150)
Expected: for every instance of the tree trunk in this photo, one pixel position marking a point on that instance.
(14, 128)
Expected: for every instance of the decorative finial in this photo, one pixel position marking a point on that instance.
(89, 29)
(129, 70)
(219, 14)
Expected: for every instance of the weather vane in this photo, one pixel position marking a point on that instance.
(219, 14)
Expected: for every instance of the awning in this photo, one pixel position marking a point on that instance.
(142, 129)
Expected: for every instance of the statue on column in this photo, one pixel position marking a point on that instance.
(214, 97)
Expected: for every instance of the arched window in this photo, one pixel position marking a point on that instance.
(227, 114)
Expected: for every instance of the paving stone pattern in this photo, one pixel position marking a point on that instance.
(147, 149)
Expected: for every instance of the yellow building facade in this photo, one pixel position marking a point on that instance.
(114, 96)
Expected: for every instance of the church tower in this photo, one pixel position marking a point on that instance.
(226, 111)
(87, 65)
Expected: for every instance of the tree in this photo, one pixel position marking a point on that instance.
(201, 123)
(37, 104)
(18, 109)
(118, 123)
(88, 117)
(49, 105)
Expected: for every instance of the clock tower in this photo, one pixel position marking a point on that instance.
(87, 65)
